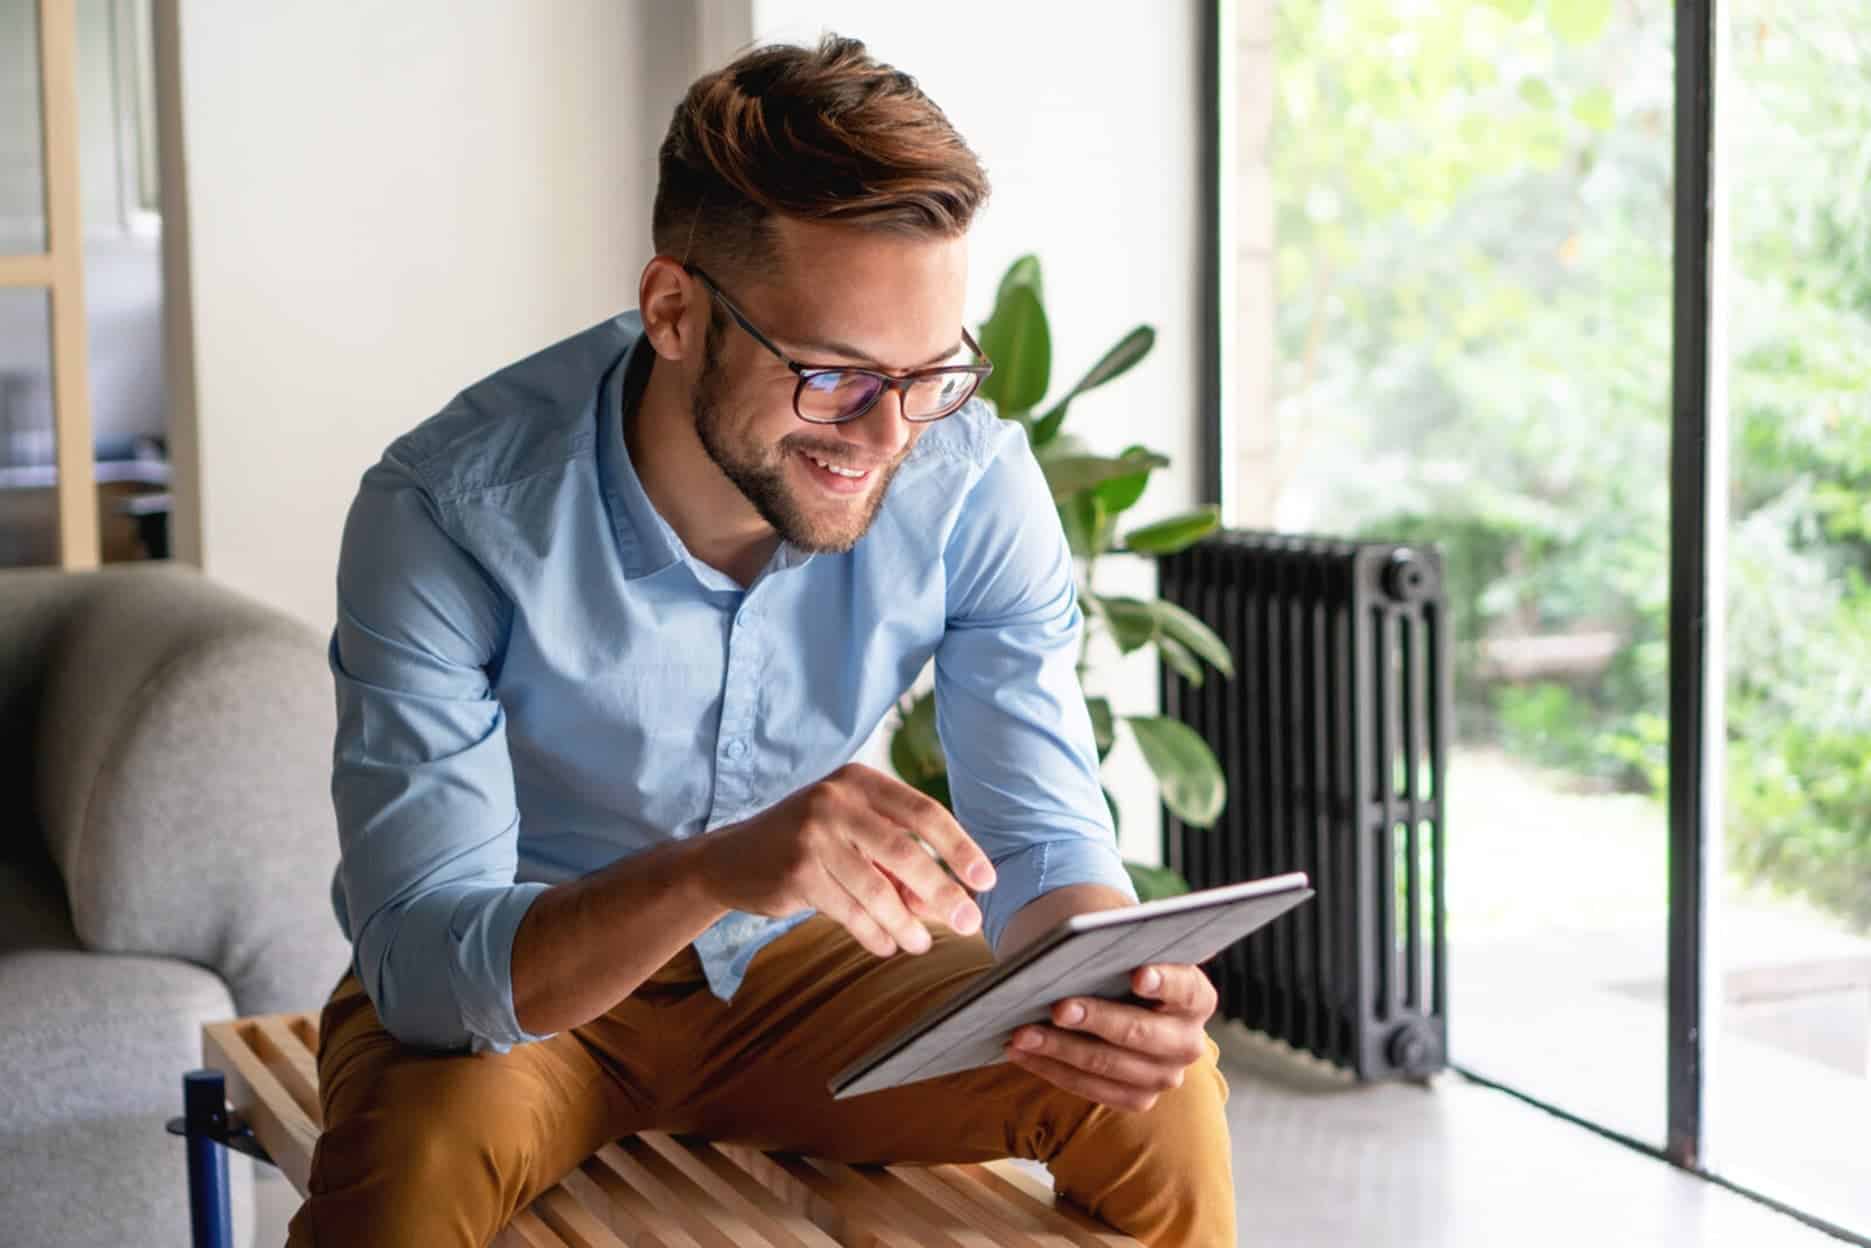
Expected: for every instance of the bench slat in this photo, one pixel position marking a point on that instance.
(852, 1210)
(578, 1227)
(527, 1231)
(660, 1191)
(632, 1214)
(291, 1062)
(283, 1129)
(1021, 1186)
(708, 1222)
(729, 1184)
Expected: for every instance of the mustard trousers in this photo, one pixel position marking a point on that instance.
(429, 1149)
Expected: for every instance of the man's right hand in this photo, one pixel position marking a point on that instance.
(846, 847)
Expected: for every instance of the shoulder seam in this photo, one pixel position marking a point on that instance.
(578, 446)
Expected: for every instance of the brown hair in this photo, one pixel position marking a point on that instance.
(825, 134)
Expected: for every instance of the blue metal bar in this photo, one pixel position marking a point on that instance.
(204, 1101)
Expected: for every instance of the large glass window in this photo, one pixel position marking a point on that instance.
(1790, 1073)
(1470, 327)
(1454, 301)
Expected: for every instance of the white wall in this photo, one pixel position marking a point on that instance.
(381, 210)
(384, 203)
(1088, 118)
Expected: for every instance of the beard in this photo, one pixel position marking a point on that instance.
(762, 477)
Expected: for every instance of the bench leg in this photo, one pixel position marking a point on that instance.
(204, 1101)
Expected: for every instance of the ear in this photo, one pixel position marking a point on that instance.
(675, 310)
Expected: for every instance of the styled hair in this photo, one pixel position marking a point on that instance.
(826, 134)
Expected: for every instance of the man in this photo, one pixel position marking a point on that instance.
(611, 628)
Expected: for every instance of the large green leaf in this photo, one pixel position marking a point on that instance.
(1103, 724)
(916, 750)
(1064, 446)
(1185, 641)
(1120, 359)
(1132, 622)
(1017, 340)
(1087, 524)
(1154, 883)
(1022, 272)
(1119, 494)
(1190, 779)
(1068, 474)
(1197, 636)
(935, 786)
(1166, 537)
(1179, 657)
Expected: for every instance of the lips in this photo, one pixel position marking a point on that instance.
(831, 481)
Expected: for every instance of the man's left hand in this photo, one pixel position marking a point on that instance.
(1119, 1054)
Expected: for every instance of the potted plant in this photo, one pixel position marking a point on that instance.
(1092, 491)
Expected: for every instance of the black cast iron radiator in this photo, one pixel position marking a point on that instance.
(1333, 735)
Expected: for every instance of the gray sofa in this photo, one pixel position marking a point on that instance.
(166, 844)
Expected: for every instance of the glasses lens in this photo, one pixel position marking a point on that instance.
(938, 395)
(835, 395)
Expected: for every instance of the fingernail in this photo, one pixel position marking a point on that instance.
(1028, 1040)
(981, 875)
(1072, 1014)
(918, 941)
(1152, 980)
(965, 917)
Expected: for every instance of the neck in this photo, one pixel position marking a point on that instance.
(714, 519)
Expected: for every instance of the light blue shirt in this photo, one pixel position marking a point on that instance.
(535, 678)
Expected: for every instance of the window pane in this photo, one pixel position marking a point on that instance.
(22, 156)
(28, 477)
(1790, 1071)
(1465, 312)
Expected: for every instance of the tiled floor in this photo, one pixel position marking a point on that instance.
(1320, 1161)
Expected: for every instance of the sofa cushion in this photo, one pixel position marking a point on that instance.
(92, 1051)
(184, 783)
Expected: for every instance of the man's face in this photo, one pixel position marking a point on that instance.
(832, 295)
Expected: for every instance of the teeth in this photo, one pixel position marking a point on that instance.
(843, 472)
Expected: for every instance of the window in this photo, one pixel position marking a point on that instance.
(1464, 301)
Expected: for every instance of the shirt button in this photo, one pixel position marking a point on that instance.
(737, 749)
(746, 617)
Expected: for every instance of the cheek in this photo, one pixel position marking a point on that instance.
(758, 415)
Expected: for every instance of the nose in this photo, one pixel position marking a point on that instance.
(884, 430)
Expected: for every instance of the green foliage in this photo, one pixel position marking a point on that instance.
(1091, 491)
(1473, 290)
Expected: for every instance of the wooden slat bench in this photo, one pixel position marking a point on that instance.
(661, 1191)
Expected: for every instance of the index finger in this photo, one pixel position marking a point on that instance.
(930, 820)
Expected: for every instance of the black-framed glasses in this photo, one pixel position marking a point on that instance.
(831, 394)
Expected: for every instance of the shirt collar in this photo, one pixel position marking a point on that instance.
(646, 542)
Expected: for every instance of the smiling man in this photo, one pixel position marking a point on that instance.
(612, 627)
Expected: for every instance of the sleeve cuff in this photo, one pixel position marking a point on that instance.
(481, 932)
(1040, 868)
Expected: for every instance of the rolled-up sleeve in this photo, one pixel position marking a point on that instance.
(421, 779)
(1022, 760)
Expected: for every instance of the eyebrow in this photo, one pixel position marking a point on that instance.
(832, 346)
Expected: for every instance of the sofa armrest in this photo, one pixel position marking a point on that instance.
(183, 780)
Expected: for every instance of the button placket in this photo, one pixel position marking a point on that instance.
(739, 696)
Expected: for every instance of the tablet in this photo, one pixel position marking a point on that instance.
(1087, 955)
